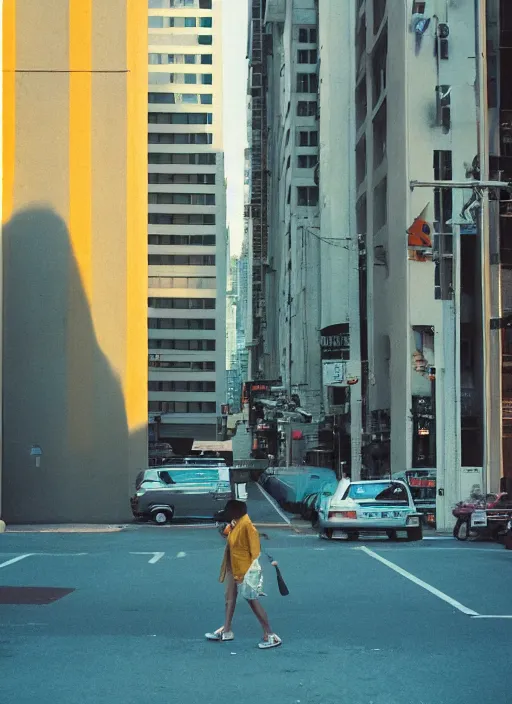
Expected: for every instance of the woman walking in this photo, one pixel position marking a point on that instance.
(241, 572)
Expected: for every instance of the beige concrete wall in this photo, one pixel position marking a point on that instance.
(74, 245)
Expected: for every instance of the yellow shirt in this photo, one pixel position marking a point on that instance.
(242, 549)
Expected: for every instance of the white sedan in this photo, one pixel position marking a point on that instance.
(383, 506)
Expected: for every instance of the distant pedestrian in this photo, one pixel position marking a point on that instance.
(241, 572)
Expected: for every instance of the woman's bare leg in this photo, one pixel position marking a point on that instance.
(261, 615)
(231, 593)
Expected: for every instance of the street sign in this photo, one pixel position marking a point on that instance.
(36, 452)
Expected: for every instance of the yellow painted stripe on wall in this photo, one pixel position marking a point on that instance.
(80, 160)
(8, 106)
(136, 341)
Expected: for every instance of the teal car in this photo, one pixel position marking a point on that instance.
(384, 506)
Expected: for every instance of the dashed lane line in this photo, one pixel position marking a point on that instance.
(156, 556)
(420, 583)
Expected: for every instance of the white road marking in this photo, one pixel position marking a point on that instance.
(478, 616)
(156, 556)
(59, 554)
(303, 535)
(274, 504)
(428, 587)
(438, 537)
(15, 559)
(181, 554)
(410, 548)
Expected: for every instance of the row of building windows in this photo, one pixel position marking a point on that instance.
(183, 345)
(178, 4)
(307, 161)
(180, 138)
(182, 407)
(180, 118)
(182, 303)
(181, 219)
(308, 35)
(307, 83)
(307, 108)
(307, 138)
(161, 59)
(180, 98)
(196, 282)
(161, 78)
(183, 386)
(181, 199)
(307, 196)
(157, 363)
(307, 56)
(181, 259)
(164, 22)
(206, 159)
(187, 40)
(182, 179)
(183, 240)
(181, 323)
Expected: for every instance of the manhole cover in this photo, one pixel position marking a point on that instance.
(32, 595)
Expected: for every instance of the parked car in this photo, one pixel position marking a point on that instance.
(164, 493)
(383, 506)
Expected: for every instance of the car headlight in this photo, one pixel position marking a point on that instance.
(413, 520)
(141, 492)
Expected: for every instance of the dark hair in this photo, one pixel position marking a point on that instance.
(233, 510)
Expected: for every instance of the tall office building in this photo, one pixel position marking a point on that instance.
(74, 282)
(187, 219)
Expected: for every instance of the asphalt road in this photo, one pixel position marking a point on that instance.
(354, 628)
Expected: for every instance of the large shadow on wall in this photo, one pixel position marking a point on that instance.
(59, 390)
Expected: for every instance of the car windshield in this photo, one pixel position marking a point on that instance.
(388, 492)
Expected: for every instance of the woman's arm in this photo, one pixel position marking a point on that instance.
(254, 542)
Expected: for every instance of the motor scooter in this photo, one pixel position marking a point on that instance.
(487, 519)
(508, 536)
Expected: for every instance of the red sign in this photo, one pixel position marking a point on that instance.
(422, 483)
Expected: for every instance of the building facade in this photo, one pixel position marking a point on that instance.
(393, 335)
(293, 253)
(422, 334)
(187, 220)
(74, 282)
(499, 129)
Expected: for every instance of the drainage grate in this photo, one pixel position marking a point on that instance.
(32, 595)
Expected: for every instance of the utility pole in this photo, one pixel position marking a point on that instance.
(483, 153)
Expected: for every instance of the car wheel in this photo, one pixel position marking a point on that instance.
(461, 530)
(161, 517)
(415, 534)
(392, 534)
(353, 535)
